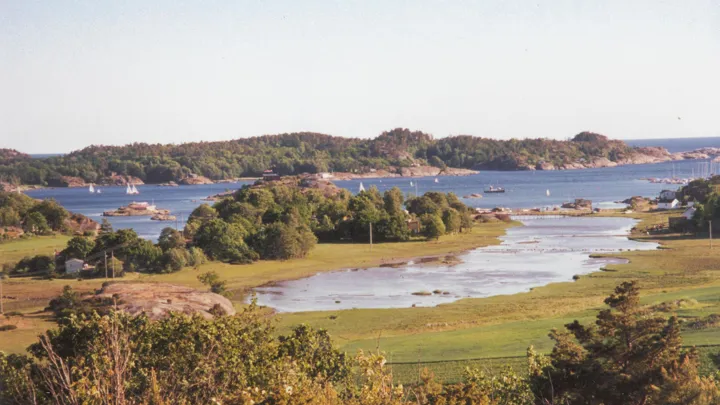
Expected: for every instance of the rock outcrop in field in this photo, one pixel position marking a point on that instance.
(158, 300)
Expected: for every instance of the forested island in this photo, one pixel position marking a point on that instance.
(396, 152)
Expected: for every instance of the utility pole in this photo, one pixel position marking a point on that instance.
(112, 259)
(2, 276)
(105, 254)
(710, 222)
(370, 236)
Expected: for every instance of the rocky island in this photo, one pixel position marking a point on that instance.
(139, 209)
(399, 152)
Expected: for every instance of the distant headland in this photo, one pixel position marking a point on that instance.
(399, 152)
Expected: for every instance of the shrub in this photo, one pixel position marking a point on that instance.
(4, 328)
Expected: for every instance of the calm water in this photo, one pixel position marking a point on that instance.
(678, 145)
(181, 201)
(542, 251)
(528, 189)
(524, 189)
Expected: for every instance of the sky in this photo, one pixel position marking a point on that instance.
(75, 73)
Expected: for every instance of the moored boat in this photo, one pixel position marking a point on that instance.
(494, 189)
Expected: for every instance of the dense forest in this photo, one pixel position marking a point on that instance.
(303, 152)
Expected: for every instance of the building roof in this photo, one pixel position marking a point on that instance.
(667, 200)
(74, 260)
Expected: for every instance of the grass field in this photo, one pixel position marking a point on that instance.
(334, 256)
(506, 325)
(494, 331)
(12, 251)
(26, 294)
(453, 370)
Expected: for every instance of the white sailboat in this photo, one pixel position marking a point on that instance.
(436, 180)
(131, 189)
(547, 192)
(98, 191)
(362, 188)
(91, 189)
(411, 183)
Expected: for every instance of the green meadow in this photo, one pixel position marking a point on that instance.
(484, 332)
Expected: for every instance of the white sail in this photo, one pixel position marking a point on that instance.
(134, 190)
(98, 191)
(91, 189)
(436, 180)
(128, 190)
(547, 192)
(362, 188)
(411, 184)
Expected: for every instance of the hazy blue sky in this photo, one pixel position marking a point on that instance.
(74, 73)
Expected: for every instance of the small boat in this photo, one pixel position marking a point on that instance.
(411, 183)
(91, 189)
(98, 191)
(362, 188)
(494, 189)
(547, 192)
(135, 190)
(436, 180)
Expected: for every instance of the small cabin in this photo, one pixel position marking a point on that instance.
(73, 266)
(664, 204)
(270, 175)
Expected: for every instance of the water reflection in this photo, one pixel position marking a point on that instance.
(540, 252)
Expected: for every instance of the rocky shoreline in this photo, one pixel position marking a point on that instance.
(645, 155)
(139, 210)
(414, 171)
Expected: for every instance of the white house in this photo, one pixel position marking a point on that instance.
(667, 195)
(668, 204)
(73, 266)
(689, 213)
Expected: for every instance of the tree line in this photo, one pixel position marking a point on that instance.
(284, 220)
(303, 152)
(631, 355)
(32, 216)
(267, 221)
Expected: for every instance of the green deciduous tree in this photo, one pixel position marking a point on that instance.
(36, 223)
(452, 220)
(170, 238)
(55, 215)
(432, 226)
(223, 241)
(78, 247)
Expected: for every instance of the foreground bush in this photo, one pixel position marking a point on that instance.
(632, 356)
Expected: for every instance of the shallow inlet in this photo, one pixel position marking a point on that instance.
(542, 251)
